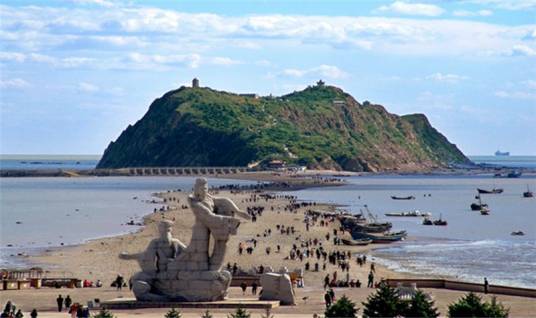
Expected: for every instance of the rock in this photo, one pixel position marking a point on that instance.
(277, 287)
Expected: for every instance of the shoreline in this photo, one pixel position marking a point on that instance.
(97, 258)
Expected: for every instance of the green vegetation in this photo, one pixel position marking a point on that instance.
(240, 313)
(472, 305)
(321, 127)
(343, 308)
(384, 303)
(421, 306)
(173, 313)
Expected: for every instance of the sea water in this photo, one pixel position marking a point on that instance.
(37, 213)
(48, 162)
(471, 247)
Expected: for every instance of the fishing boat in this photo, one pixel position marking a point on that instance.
(427, 221)
(484, 211)
(414, 213)
(492, 191)
(440, 221)
(517, 233)
(387, 237)
(500, 153)
(514, 174)
(478, 206)
(359, 242)
(528, 193)
(403, 198)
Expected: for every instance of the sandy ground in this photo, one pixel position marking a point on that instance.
(98, 259)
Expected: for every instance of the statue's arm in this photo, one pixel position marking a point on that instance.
(227, 205)
(137, 256)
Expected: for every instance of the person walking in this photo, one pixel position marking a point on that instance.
(332, 294)
(33, 314)
(327, 299)
(68, 301)
(370, 283)
(19, 314)
(254, 288)
(486, 285)
(59, 301)
(244, 286)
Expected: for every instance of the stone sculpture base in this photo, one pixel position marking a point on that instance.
(130, 303)
(189, 286)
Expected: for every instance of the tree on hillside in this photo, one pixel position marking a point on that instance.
(421, 306)
(343, 308)
(385, 302)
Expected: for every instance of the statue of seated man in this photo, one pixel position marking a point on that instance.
(154, 261)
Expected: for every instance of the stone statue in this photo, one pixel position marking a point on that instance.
(173, 272)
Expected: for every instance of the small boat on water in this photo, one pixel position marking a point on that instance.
(440, 221)
(478, 206)
(427, 221)
(414, 213)
(484, 211)
(517, 233)
(359, 242)
(492, 191)
(403, 198)
(528, 193)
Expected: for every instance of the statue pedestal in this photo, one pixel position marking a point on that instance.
(131, 303)
(194, 286)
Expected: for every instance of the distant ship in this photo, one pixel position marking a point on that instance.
(499, 153)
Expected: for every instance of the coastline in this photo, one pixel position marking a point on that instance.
(97, 258)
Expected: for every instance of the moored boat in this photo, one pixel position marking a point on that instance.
(387, 237)
(484, 211)
(440, 221)
(359, 242)
(517, 233)
(528, 193)
(403, 198)
(492, 191)
(427, 221)
(414, 213)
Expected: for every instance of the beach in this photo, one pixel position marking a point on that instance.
(98, 259)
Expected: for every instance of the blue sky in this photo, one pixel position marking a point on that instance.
(74, 74)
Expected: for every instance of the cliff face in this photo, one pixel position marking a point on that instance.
(321, 127)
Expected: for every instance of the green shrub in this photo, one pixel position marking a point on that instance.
(173, 313)
(343, 308)
(240, 313)
(421, 306)
(384, 303)
(471, 305)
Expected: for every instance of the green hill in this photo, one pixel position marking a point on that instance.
(320, 127)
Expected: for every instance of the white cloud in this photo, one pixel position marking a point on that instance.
(447, 78)
(16, 83)
(516, 95)
(224, 61)
(12, 57)
(407, 8)
(328, 71)
(88, 87)
(479, 13)
(530, 84)
(103, 3)
(523, 50)
(189, 60)
(174, 33)
(506, 4)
